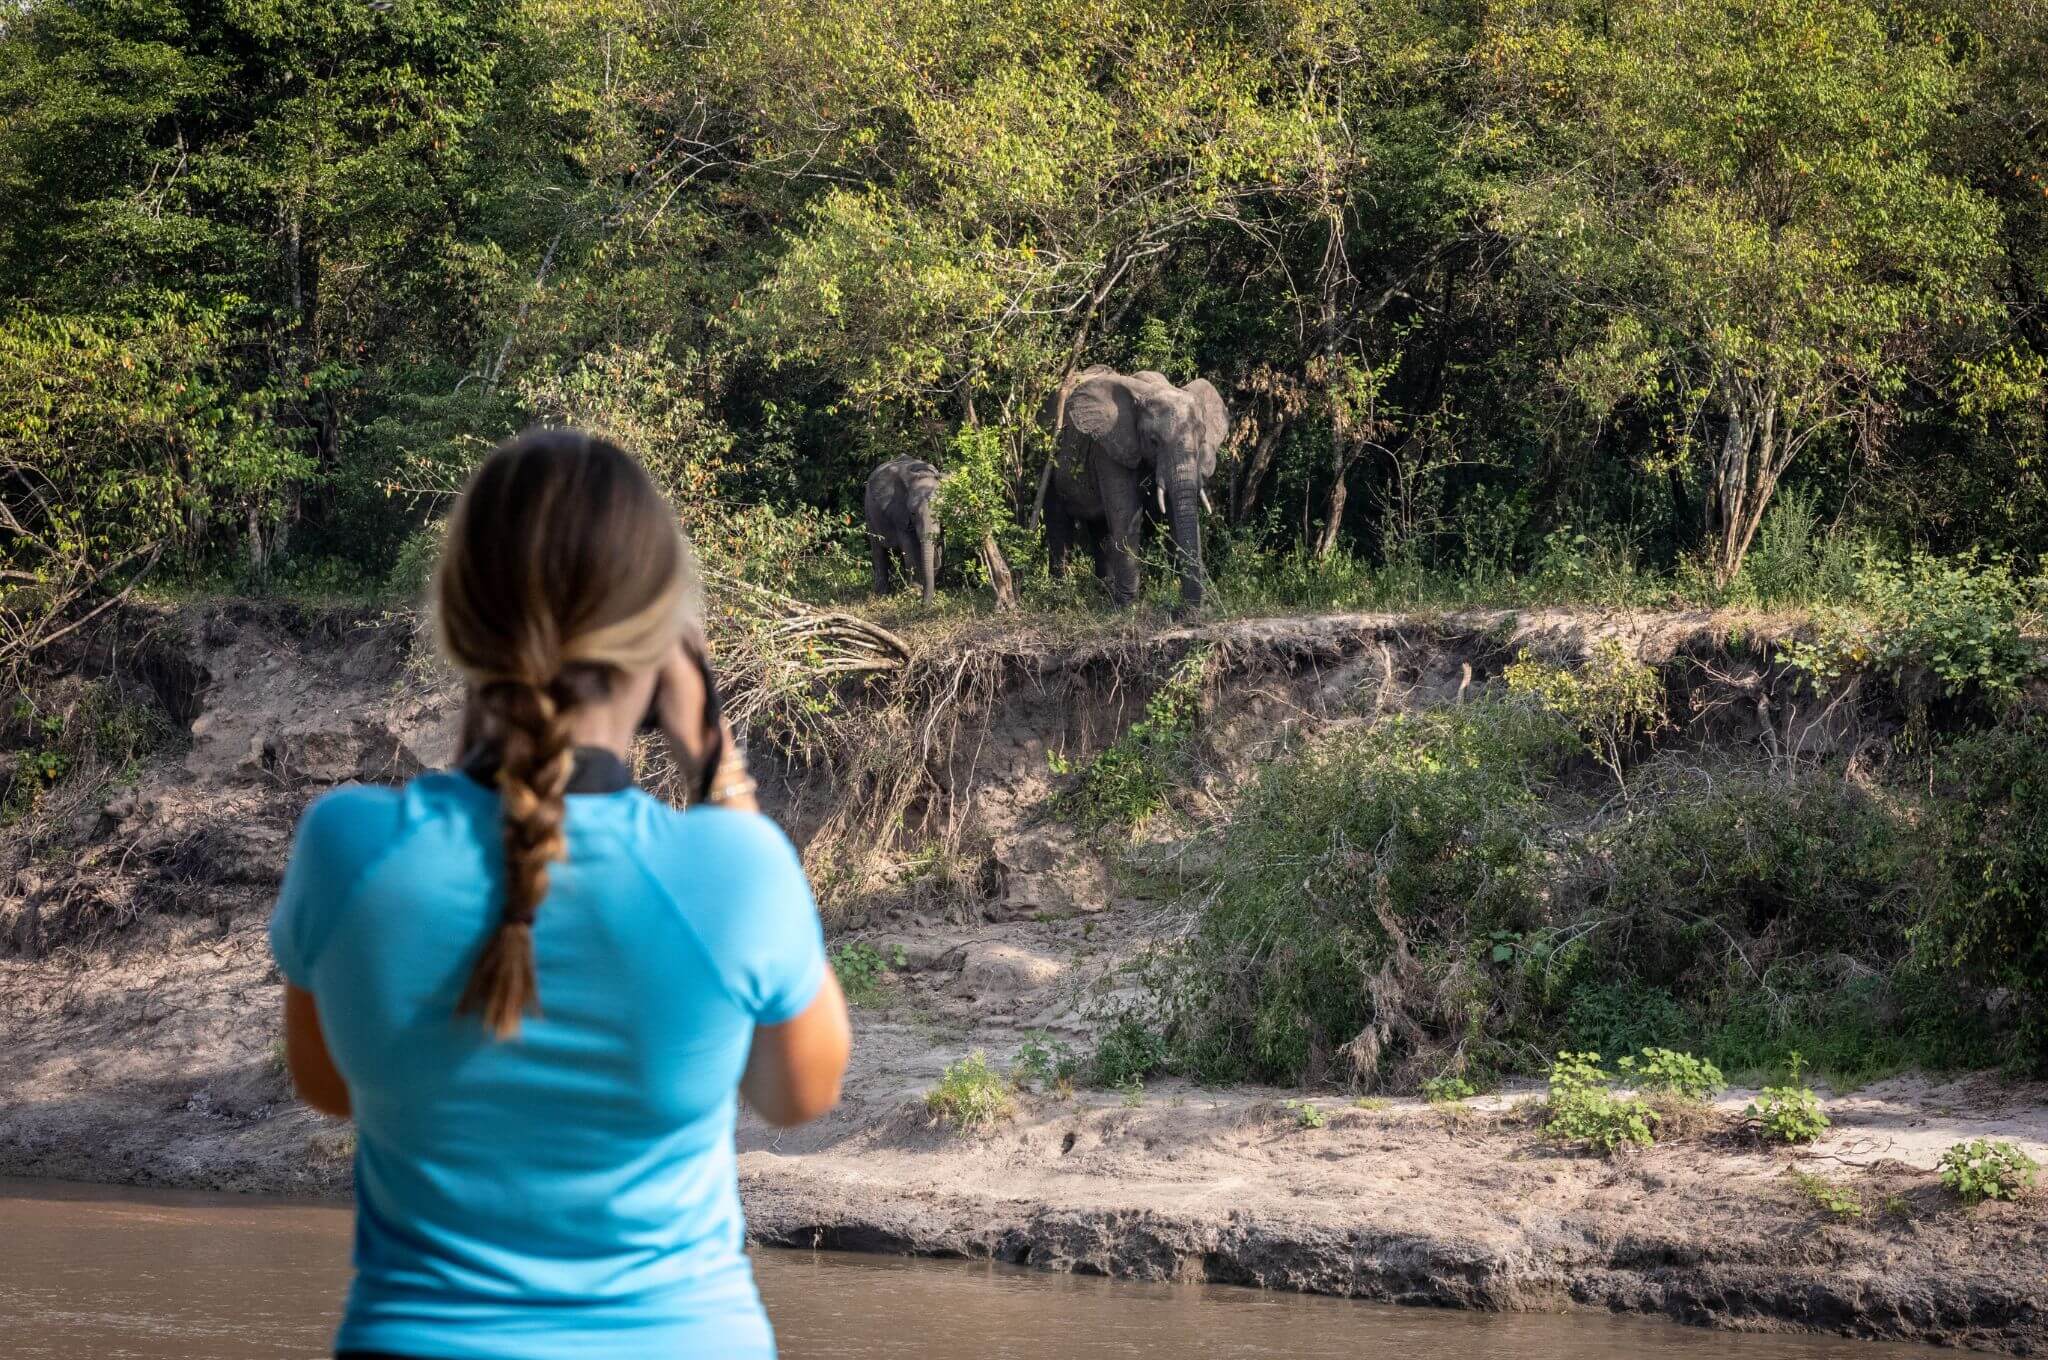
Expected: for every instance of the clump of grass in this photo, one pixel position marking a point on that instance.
(971, 1096)
(1837, 1201)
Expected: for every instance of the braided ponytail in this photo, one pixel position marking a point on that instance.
(564, 568)
(534, 764)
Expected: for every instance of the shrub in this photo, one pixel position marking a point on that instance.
(1990, 926)
(1307, 1114)
(861, 969)
(1960, 620)
(1612, 699)
(1660, 1069)
(1979, 1170)
(1127, 780)
(1044, 1062)
(970, 1095)
(1446, 1088)
(1129, 1050)
(1618, 1016)
(1787, 1114)
(1335, 928)
(1583, 1110)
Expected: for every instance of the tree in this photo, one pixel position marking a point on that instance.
(1746, 216)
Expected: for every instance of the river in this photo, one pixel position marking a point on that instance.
(125, 1274)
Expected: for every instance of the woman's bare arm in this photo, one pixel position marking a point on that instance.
(794, 1069)
(305, 1055)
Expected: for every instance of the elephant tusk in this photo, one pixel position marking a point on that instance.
(1160, 487)
(1205, 500)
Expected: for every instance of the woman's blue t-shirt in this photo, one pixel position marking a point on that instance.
(569, 1192)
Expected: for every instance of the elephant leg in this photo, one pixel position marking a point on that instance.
(1059, 537)
(1120, 508)
(879, 556)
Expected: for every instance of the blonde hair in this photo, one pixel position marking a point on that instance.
(564, 567)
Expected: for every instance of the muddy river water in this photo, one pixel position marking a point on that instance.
(115, 1274)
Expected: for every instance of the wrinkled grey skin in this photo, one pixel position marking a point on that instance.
(1124, 439)
(903, 529)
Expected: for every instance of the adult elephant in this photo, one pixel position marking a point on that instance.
(1123, 434)
(903, 527)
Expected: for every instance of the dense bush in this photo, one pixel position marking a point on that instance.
(1335, 938)
(1989, 927)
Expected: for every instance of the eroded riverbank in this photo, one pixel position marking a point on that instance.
(141, 1049)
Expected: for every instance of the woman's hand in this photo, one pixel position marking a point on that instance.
(680, 710)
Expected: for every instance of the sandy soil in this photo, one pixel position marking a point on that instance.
(149, 1055)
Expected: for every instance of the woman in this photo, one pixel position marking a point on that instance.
(535, 988)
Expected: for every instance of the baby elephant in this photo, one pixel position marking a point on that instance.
(903, 528)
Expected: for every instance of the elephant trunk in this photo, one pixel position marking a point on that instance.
(1183, 500)
(927, 552)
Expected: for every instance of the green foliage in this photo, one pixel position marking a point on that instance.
(1979, 1170)
(863, 971)
(1617, 1015)
(970, 1095)
(1582, 1108)
(1127, 780)
(1613, 699)
(1446, 1088)
(1307, 1114)
(1044, 1062)
(1838, 1202)
(1790, 1113)
(1128, 1051)
(1334, 927)
(1661, 1069)
(1959, 620)
(974, 503)
(1989, 927)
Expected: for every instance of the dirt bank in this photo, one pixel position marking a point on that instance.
(137, 1011)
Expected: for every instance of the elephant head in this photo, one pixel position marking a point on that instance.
(1144, 423)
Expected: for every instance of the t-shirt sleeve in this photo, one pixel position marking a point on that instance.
(781, 954)
(337, 836)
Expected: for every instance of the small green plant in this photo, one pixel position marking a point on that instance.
(970, 1095)
(1133, 1091)
(1129, 1050)
(1044, 1062)
(1441, 1090)
(1837, 1201)
(1373, 1104)
(1980, 1169)
(1127, 780)
(1582, 1108)
(1612, 699)
(1790, 1113)
(1661, 1069)
(862, 970)
(1307, 1114)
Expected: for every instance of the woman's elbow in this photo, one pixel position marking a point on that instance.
(800, 1105)
(323, 1095)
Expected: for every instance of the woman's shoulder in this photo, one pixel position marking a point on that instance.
(705, 847)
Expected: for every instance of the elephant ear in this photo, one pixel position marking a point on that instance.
(1214, 419)
(1103, 407)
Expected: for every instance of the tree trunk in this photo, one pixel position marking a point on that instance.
(998, 568)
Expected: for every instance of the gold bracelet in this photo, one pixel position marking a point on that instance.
(732, 788)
